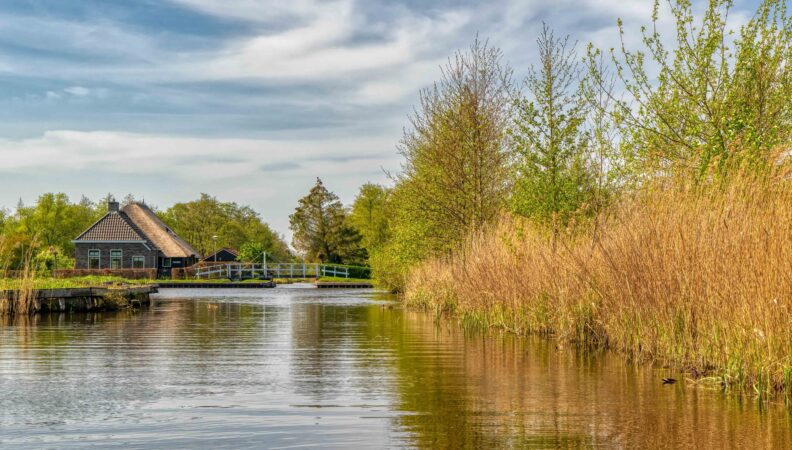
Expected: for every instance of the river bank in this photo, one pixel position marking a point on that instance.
(82, 299)
(698, 281)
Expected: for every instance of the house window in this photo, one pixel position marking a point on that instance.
(115, 259)
(138, 262)
(94, 256)
(166, 262)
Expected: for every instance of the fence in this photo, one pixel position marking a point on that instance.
(272, 270)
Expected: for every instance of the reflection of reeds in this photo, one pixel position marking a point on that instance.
(700, 279)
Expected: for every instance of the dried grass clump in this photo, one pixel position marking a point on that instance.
(697, 277)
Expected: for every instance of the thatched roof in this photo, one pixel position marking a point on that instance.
(114, 226)
(171, 245)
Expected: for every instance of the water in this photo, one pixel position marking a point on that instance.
(297, 367)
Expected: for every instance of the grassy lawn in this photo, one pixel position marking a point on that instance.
(211, 280)
(67, 283)
(343, 280)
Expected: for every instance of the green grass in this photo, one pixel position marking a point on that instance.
(67, 283)
(343, 280)
(209, 280)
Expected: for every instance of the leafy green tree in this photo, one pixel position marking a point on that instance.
(253, 252)
(553, 179)
(209, 224)
(370, 215)
(321, 230)
(455, 175)
(712, 97)
(47, 227)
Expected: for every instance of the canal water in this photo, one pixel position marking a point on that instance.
(300, 367)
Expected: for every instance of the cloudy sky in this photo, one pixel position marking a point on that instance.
(248, 100)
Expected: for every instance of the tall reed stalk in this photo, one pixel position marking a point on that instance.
(696, 277)
(21, 300)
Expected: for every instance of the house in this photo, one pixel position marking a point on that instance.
(132, 238)
(225, 254)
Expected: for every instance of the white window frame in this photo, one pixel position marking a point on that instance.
(97, 258)
(142, 260)
(120, 258)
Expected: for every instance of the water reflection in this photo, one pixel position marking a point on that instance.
(290, 367)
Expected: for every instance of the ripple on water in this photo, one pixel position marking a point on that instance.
(305, 367)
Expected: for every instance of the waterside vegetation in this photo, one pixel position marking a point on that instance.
(637, 199)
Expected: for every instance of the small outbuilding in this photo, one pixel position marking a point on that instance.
(225, 254)
(132, 238)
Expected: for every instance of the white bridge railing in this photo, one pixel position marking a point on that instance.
(273, 270)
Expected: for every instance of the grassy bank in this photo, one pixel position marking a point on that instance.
(38, 283)
(699, 280)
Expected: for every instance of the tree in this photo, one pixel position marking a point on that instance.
(553, 181)
(209, 224)
(45, 228)
(454, 177)
(369, 215)
(252, 252)
(707, 103)
(321, 231)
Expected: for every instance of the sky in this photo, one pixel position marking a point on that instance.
(246, 100)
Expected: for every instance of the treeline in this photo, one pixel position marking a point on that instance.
(42, 232)
(585, 128)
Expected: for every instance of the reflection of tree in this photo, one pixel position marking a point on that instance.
(477, 391)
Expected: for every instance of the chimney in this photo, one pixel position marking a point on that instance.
(112, 205)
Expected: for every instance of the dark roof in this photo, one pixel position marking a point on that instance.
(136, 222)
(170, 244)
(114, 226)
(224, 249)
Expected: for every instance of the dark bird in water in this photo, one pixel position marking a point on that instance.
(669, 381)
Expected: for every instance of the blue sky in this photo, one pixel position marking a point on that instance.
(248, 100)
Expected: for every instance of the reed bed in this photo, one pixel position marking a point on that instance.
(698, 278)
(20, 299)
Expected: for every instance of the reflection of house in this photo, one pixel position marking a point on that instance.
(225, 254)
(132, 238)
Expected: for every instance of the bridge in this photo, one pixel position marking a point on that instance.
(247, 271)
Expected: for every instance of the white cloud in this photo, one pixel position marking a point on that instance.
(265, 11)
(78, 91)
(187, 158)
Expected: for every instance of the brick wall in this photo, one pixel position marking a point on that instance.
(128, 250)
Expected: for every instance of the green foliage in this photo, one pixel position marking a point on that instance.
(252, 252)
(48, 226)
(553, 177)
(209, 224)
(369, 215)
(455, 173)
(51, 258)
(321, 230)
(711, 99)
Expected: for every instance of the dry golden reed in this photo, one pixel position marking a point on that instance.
(699, 278)
(22, 299)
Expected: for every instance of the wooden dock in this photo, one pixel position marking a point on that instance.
(81, 299)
